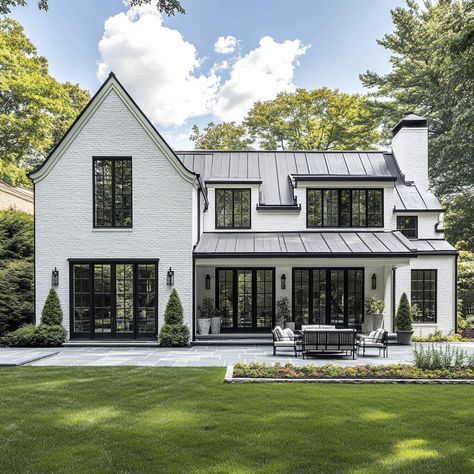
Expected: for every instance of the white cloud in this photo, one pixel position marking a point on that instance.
(259, 75)
(160, 70)
(225, 44)
(156, 65)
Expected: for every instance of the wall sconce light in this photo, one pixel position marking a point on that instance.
(283, 282)
(208, 282)
(55, 277)
(374, 281)
(170, 277)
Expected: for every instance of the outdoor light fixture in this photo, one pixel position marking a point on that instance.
(283, 282)
(170, 277)
(374, 281)
(55, 277)
(208, 282)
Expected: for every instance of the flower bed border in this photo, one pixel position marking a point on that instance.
(229, 378)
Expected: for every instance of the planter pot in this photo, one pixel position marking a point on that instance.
(215, 325)
(404, 337)
(468, 333)
(204, 325)
(291, 325)
(377, 321)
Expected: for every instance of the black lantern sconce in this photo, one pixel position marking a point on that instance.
(55, 277)
(170, 277)
(283, 282)
(374, 281)
(208, 282)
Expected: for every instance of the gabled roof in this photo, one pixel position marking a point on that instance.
(112, 84)
(279, 170)
(316, 244)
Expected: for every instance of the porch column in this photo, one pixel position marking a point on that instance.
(387, 297)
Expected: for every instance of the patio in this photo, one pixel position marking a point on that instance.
(198, 356)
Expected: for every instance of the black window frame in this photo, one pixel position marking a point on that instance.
(233, 226)
(340, 213)
(113, 159)
(415, 235)
(422, 319)
(113, 262)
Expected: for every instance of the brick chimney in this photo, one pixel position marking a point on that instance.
(410, 147)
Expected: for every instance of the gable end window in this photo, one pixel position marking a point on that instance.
(112, 192)
(424, 295)
(408, 226)
(344, 208)
(233, 208)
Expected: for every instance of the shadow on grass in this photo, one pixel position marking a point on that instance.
(186, 420)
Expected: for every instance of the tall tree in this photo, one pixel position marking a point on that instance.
(35, 109)
(432, 50)
(168, 7)
(223, 136)
(321, 119)
(459, 221)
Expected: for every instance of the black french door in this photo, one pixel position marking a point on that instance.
(246, 298)
(113, 299)
(333, 296)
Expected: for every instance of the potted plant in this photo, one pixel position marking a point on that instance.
(404, 321)
(374, 309)
(283, 314)
(216, 319)
(206, 312)
(466, 327)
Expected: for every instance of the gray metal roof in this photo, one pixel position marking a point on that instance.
(275, 168)
(365, 244)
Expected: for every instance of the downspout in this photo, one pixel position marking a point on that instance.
(456, 293)
(394, 279)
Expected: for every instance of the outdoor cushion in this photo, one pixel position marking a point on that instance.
(284, 344)
(378, 336)
(289, 333)
(280, 334)
(309, 327)
(369, 343)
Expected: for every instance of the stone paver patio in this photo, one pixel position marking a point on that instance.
(196, 356)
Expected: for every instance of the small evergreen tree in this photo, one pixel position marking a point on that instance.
(52, 314)
(404, 319)
(174, 309)
(174, 333)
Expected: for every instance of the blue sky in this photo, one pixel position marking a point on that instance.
(174, 70)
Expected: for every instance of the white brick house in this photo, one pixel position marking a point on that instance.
(118, 212)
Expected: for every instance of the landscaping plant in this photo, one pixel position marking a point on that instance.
(404, 318)
(374, 305)
(283, 312)
(174, 333)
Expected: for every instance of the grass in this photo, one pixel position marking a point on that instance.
(130, 420)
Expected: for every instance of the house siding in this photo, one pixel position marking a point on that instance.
(162, 209)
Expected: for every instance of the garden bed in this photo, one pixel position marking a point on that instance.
(396, 373)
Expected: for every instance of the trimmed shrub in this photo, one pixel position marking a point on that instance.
(22, 337)
(52, 314)
(174, 309)
(174, 335)
(404, 318)
(49, 335)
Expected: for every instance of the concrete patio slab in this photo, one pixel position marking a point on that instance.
(21, 356)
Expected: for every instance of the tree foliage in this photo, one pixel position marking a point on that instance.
(432, 50)
(174, 333)
(466, 283)
(52, 314)
(168, 7)
(16, 236)
(223, 136)
(404, 317)
(459, 221)
(320, 119)
(35, 109)
(174, 309)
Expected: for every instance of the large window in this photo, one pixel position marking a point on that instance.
(333, 296)
(408, 226)
(112, 192)
(233, 208)
(423, 295)
(113, 299)
(344, 207)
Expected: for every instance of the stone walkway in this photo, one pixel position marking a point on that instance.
(198, 356)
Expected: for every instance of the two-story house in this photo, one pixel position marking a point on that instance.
(121, 219)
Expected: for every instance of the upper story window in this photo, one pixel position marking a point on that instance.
(408, 226)
(233, 208)
(112, 192)
(344, 207)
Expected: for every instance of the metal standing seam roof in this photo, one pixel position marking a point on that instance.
(366, 244)
(274, 169)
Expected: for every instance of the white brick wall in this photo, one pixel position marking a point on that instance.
(162, 208)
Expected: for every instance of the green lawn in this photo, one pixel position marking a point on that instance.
(114, 420)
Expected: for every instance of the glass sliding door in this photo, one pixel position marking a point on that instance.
(333, 296)
(113, 299)
(245, 298)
